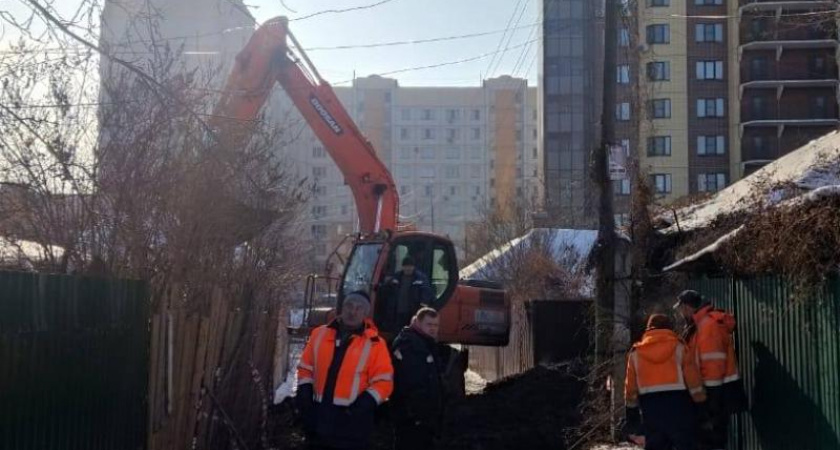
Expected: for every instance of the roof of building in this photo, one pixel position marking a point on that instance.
(815, 165)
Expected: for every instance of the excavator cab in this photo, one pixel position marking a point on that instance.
(470, 315)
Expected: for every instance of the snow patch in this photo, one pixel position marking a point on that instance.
(475, 384)
(288, 388)
(809, 168)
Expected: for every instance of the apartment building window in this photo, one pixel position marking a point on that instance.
(475, 171)
(403, 172)
(404, 134)
(708, 2)
(476, 134)
(625, 145)
(758, 108)
(426, 172)
(659, 71)
(452, 115)
(476, 152)
(759, 144)
(319, 191)
(709, 70)
(428, 114)
(711, 145)
(452, 172)
(819, 107)
(427, 153)
(533, 152)
(623, 37)
(758, 68)
(622, 220)
(711, 182)
(659, 2)
(708, 32)
(710, 107)
(406, 114)
(429, 190)
(659, 146)
(816, 65)
(453, 153)
(319, 231)
(476, 114)
(318, 152)
(319, 211)
(660, 108)
(623, 74)
(428, 133)
(622, 111)
(621, 187)
(661, 183)
(452, 134)
(319, 172)
(453, 190)
(658, 34)
(345, 209)
(403, 191)
(405, 153)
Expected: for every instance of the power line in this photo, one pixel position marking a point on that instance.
(343, 10)
(509, 38)
(502, 40)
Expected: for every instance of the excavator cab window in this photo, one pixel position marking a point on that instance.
(359, 273)
(434, 258)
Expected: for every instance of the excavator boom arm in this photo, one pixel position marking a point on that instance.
(269, 59)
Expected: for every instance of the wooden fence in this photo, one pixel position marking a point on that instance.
(213, 360)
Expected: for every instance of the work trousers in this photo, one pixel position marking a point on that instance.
(716, 437)
(669, 421)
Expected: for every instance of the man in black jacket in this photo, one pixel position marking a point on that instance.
(417, 402)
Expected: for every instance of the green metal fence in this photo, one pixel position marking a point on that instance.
(74, 358)
(789, 354)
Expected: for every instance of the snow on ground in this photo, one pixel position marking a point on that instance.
(475, 384)
(289, 386)
(625, 446)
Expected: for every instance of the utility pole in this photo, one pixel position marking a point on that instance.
(605, 288)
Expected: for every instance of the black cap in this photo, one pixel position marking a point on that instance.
(689, 298)
(408, 261)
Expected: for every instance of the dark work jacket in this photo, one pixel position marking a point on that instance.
(418, 388)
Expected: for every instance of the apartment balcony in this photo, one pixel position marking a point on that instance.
(780, 125)
(749, 6)
(781, 85)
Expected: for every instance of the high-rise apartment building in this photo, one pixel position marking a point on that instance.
(707, 90)
(570, 85)
(788, 76)
(452, 151)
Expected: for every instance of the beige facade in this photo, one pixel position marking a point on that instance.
(452, 151)
(675, 165)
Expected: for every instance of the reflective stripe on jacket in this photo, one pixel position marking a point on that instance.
(713, 347)
(366, 366)
(660, 363)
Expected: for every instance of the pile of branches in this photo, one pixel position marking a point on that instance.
(801, 243)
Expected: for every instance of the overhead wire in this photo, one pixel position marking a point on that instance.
(509, 39)
(502, 39)
(341, 10)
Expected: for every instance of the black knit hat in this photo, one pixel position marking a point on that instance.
(689, 298)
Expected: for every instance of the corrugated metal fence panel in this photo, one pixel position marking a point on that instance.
(789, 352)
(74, 356)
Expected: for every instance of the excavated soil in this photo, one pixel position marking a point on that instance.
(533, 410)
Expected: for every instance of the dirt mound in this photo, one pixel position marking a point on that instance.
(532, 410)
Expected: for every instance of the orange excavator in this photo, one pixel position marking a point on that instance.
(471, 313)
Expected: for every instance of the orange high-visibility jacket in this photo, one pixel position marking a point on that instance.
(713, 348)
(366, 366)
(660, 363)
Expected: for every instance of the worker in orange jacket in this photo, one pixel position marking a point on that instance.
(712, 346)
(344, 373)
(664, 383)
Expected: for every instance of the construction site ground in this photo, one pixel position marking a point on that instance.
(534, 410)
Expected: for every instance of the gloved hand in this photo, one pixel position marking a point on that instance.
(634, 420)
(364, 404)
(704, 416)
(305, 407)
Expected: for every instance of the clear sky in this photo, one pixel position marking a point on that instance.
(408, 20)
